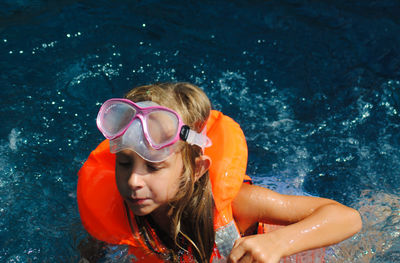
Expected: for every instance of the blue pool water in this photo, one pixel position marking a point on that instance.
(315, 85)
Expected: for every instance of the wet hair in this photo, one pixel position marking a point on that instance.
(192, 208)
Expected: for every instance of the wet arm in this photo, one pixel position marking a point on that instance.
(312, 222)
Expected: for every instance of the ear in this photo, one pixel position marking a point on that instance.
(203, 163)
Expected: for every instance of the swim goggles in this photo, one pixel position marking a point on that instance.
(146, 128)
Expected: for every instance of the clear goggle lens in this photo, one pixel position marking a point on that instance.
(162, 127)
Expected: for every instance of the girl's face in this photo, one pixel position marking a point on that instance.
(147, 187)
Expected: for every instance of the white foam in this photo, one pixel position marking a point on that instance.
(13, 138)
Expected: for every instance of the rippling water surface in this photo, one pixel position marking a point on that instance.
(314, 85)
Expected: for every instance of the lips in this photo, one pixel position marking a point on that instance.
(137, 201)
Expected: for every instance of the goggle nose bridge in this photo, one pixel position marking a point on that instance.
(142, 118)
(139, 114)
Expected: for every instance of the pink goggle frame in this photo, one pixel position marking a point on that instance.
(116, 115)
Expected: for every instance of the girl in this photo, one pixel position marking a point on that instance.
(164, 196)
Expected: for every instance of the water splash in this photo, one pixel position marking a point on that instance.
(14, 139)
(380, 212)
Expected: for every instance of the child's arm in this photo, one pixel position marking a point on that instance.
(314, 222)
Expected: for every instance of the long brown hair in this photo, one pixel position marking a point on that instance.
(192, 208)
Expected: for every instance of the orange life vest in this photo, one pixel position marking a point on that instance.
(102, 210)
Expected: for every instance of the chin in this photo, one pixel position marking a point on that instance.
(140, 211)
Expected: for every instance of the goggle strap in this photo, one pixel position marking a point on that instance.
(198, 139)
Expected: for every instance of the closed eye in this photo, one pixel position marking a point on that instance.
(124, 163)
(124, 160)
(154, 167)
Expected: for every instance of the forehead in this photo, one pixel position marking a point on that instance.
(174, 158)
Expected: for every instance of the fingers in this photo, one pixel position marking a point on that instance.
(247, 258)
(240, 253)
(250, 250)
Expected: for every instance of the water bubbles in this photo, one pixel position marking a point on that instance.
(343, 159)
(140, 70)
(68, 35)
(352, 141)
(364, 110)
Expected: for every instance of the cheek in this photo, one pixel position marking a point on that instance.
(165, 189)
(121, 182)
(175, 180)
(173, 188)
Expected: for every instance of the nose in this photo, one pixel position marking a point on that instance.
(136, 180)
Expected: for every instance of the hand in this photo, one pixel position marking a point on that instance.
(261, 248)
